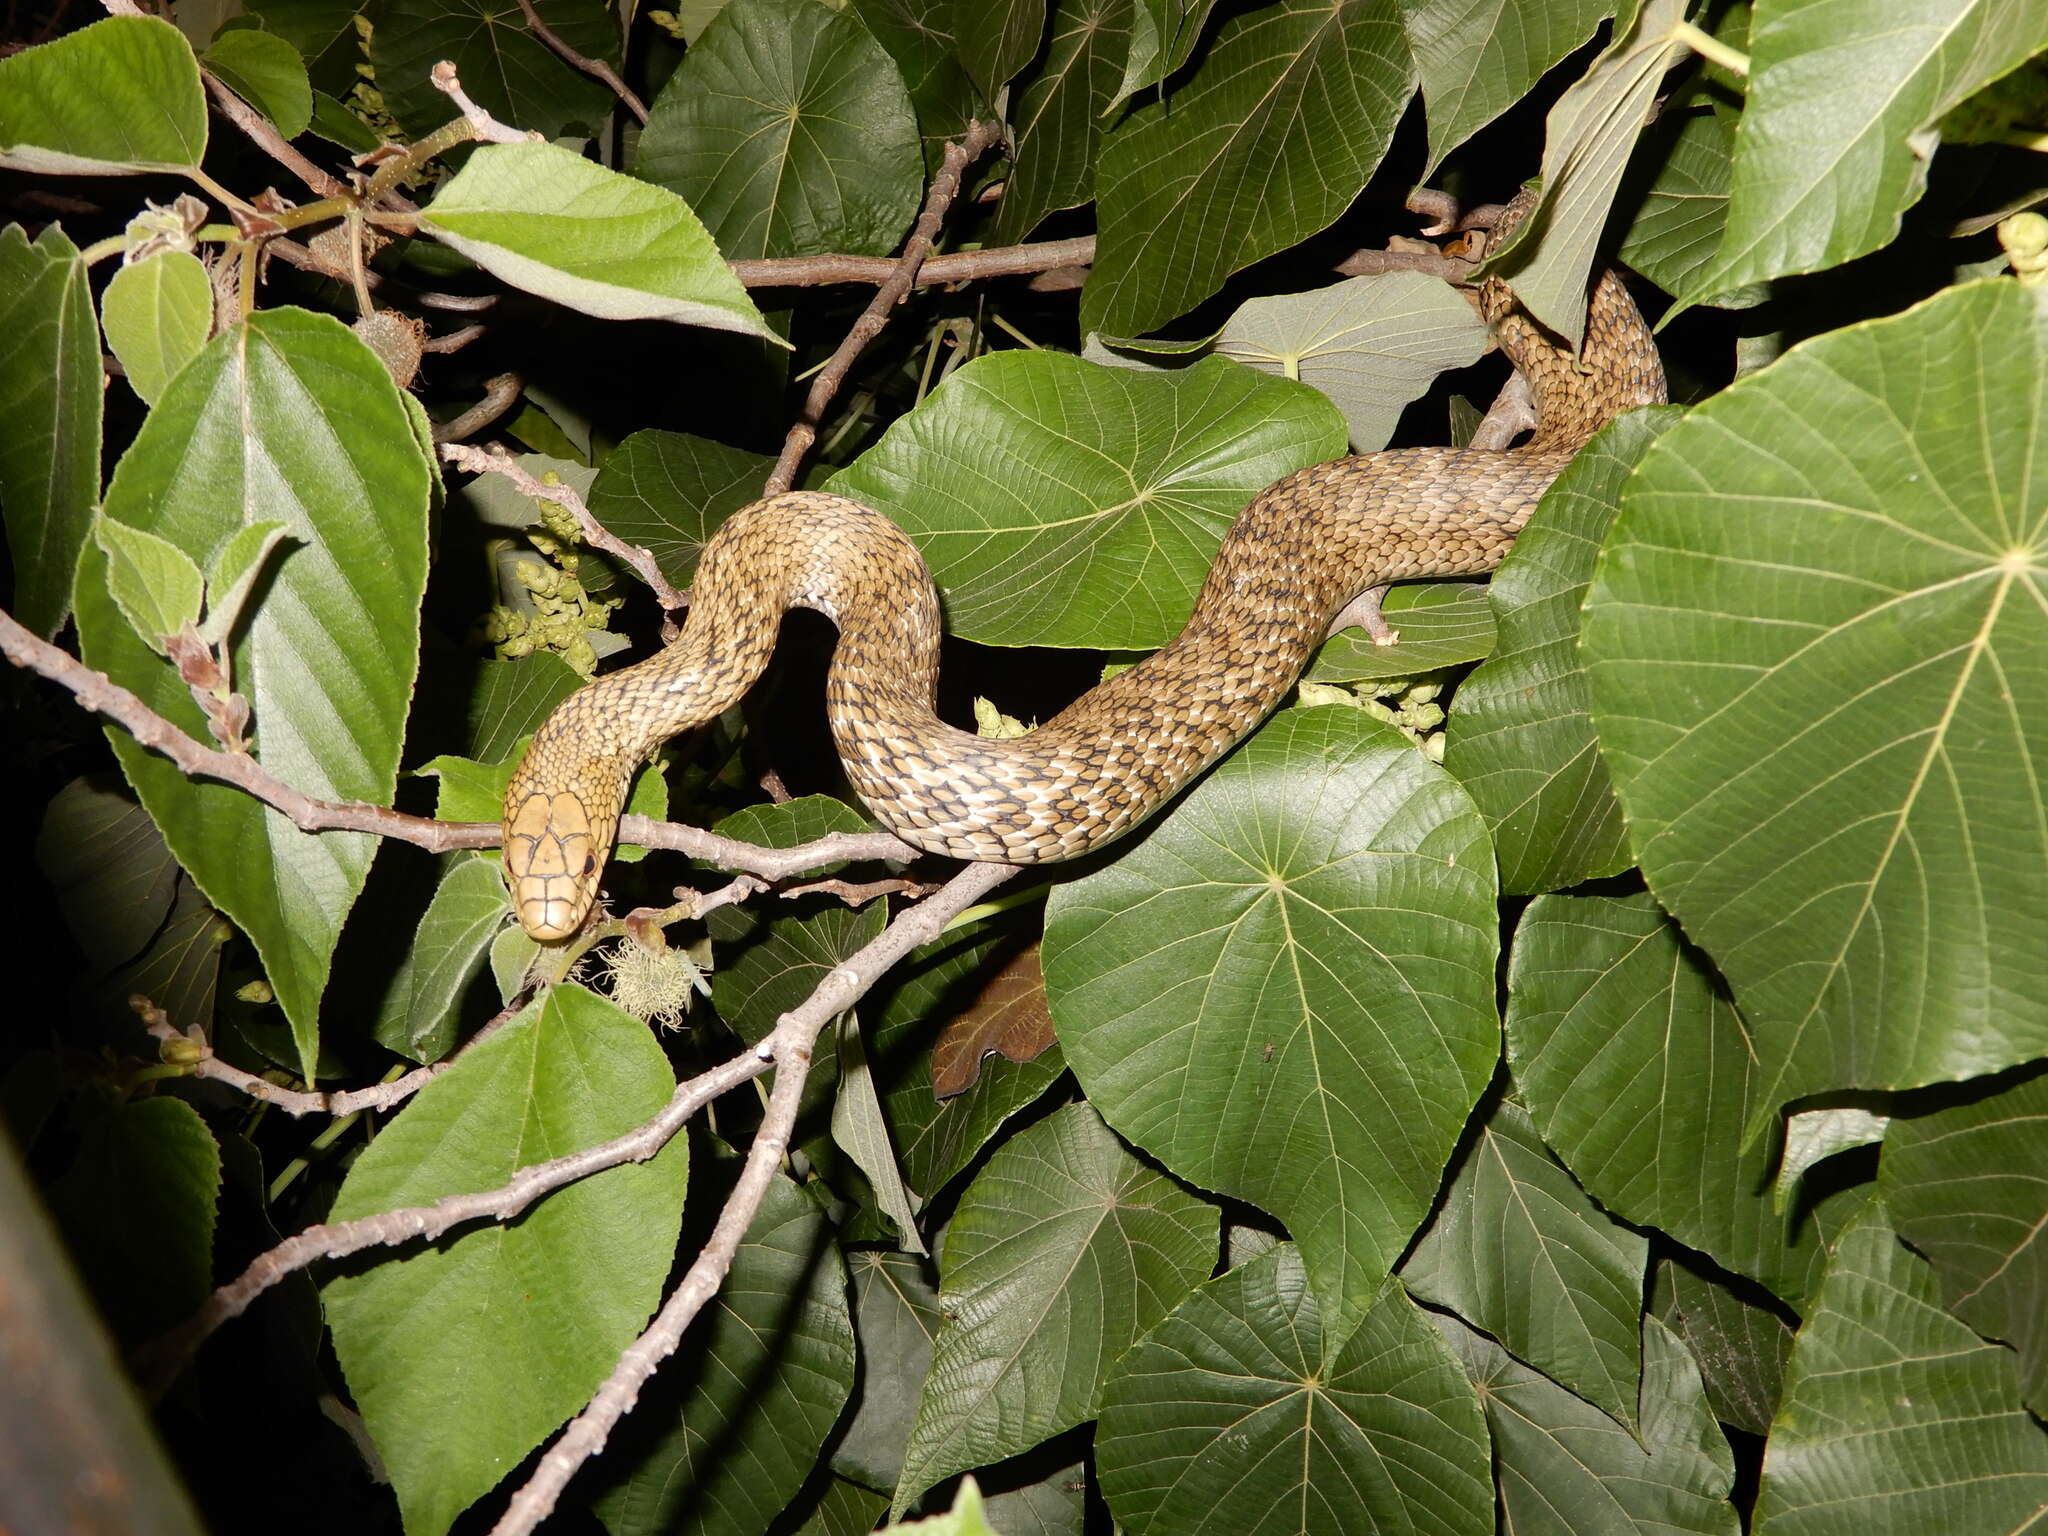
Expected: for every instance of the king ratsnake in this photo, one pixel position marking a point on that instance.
(1294, 561)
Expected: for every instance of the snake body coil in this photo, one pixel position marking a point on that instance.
(1299, 554)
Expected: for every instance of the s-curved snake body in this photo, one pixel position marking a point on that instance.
(1298, 555)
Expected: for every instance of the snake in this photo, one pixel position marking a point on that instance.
(1291, 567)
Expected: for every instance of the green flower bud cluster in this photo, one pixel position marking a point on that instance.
(562, 613)
(1408, 704)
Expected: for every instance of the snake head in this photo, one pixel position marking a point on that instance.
(553, 856)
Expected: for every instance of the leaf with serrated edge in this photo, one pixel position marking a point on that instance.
(285, 418)
(1816, 645)
(1476, 61)
(120, 95)
(1566, 1469)
(463, 1355)
(1520, 738)
(1063, 503)
(1642, 1075)
(467, 909)
(1519, 1250)
(1243, 1412)
(156, 314)
(233, 576)
(157, 585)
(545, 219)
(1831, 149)
(789, 130)
(1969, 1189)
(1267, 143)
(1063, 1250)
(267, 72)
(1895, 1417)
(1284, 991)
(50, 381)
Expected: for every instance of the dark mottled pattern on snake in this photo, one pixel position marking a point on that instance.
(1296, 557)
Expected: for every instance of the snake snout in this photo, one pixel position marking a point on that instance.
(551, 865)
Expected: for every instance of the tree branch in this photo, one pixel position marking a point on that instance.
(957, 267)
(597, 69)
(945, 187)
(789, 1046)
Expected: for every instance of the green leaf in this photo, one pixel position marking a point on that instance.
(545, 219)
(50, 399)
(310, 26)
(1243, 1412)
(918, 35)
(1056, 121)
(505, 69)
(1163, 34)
(1587, 140)
(157, 585)
(1064, 503)
(1268, 142)
(896, 1316)
(1063, 1250)
(230, 580)
(474, 791)
(137, 1209)
(996, 40)
(1642, 1075)
(1564, 1467)
(157, 314)
(1476, 61)
(267, 72)
(668, 492)
(1833, 145)
(180, 971)
(1815, 641)
(1284, 991)
(788, 129)
(967, 1517)
(1895, 1416)
(120, 95)
(465, 914)
(509, 699)
(464, 1354)
(1968, 1189)
(1518, 1249)
(338, 125)
(285, 418)
(859, 1131)
(1684, 210)
(1440, 624)
(1739, 1342)
(108, 868)
(727, 1433)
(1520, 739)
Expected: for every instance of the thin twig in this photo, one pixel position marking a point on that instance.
(485, 128)
(769, 863)
(597, 69)
(455, 341)
(500, 395)
(496, 459)
(789, 1046)
(270, 141)
(956, 267)
(1452, 269)
(857, 895)
(1513, 412)
(945, 186)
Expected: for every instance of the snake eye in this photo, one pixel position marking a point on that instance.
(589, 865)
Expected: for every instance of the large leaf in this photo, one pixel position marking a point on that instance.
(1476, 61)
(1437, 624)
(509, 699)
(1968, 1188)
(1739, 1342)
(732, 1427)
(1565, 1469)
(50, 399)
(1832, 147)
(1587, 140)
(1285, 990)
(1268, 142)
(504, 68)
(896, 1314)
(108, 868)
(286, 418)
(1641, 1073)
(1685, 208)
(1520, 739)
(120, 95)
(1895, 1416)
(545, 219)
(1242, 1413)
(917, 35)
(1057, 120)
(157, 313)
(669, 491)
(1063, 503)
(1820, 676)
(463, 1355)
(267, 72)
(995, 40)
(1516, 1248)
(1163, 34)
(788, 129)
(1062, 1252)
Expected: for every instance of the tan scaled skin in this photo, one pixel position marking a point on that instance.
(1291, 563)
